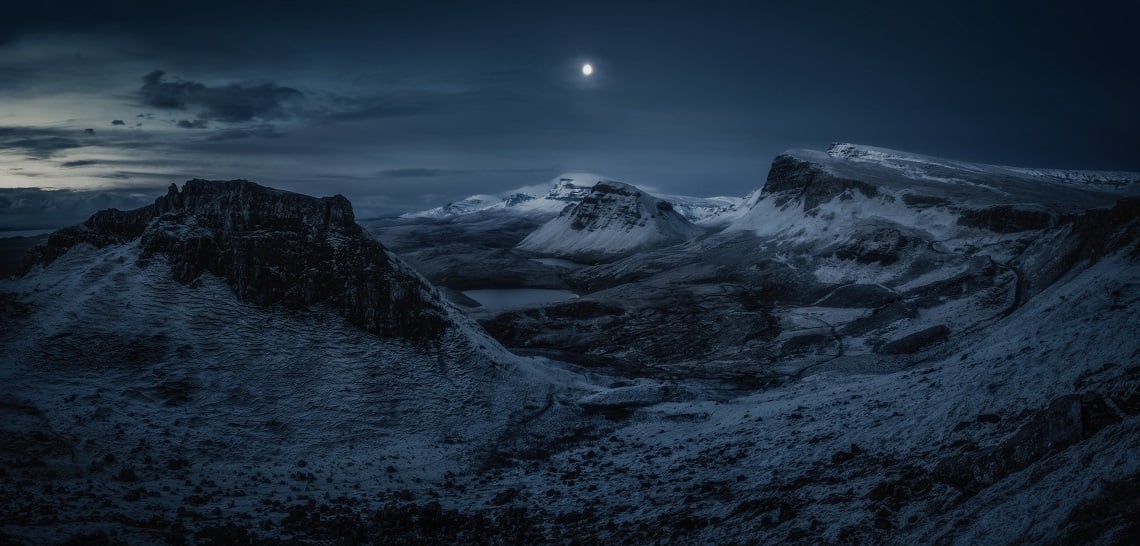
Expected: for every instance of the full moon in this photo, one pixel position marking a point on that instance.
(587, 70)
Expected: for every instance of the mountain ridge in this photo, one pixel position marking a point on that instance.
(564, 189)
(273, 248)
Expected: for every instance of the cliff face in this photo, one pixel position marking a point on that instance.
(273, 248)
(791, 177)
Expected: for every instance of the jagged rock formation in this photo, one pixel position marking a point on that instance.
(274, 248)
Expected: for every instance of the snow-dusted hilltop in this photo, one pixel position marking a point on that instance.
(549, 199)
(615, 219)
(935, 168)
(812, 194)
(566, 189)
(274, 248)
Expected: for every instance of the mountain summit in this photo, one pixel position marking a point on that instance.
(615, 219)
(273, 248)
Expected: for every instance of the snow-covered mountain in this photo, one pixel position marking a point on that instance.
(566, 189)
(939, 169)
(702, 210)
(812, 195)
(615, 219)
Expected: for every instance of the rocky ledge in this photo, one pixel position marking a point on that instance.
(275, 248)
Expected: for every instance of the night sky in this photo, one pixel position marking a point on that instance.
(404, 106)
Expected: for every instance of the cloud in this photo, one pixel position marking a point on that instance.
(227, 103)
(261, 131)
(118, 122)
(40, 147)
(89, 132)
(78, 163)
(34, 208)
(193, 124)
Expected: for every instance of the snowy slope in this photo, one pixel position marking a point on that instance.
(468, 205)
(566, 189)
(702, 210)
(613, 220)
(550, 199)
(822, 195)
(125, 364)
(938, 169)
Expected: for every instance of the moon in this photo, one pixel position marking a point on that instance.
(587, 69)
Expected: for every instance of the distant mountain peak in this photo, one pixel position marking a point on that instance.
(547, 200)
(613, 220)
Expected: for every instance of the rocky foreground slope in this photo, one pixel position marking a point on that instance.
(208, 358)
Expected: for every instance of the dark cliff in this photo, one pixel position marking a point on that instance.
(795, 178)
(273, 247)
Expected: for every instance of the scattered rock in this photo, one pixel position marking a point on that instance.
(917, 341)
(1066, 420)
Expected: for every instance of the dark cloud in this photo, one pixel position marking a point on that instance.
(264, 131)
(33, 208)
(40, 146)
(192, 124)
(118, 122)
(79, 163)
(228, 103)
(89, 132)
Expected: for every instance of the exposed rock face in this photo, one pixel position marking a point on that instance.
(792, 177)
(1066, 421)
(274, 248)
(1007, 219)
(917, 341)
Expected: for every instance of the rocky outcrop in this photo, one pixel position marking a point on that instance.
(1066, 421)
(917, 341)
(274, 248)
(793, 178)
(1007, 218)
